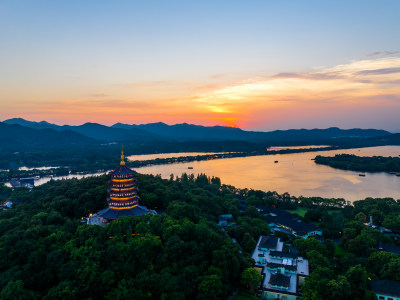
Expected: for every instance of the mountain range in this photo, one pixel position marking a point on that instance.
(17, 132)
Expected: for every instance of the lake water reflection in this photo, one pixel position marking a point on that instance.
(142, 157)
(294, 173)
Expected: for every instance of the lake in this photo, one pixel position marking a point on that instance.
(294, 173)
(142, 157)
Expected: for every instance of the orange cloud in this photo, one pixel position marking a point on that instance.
(353, 90)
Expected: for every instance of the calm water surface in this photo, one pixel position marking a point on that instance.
(166, 155)
(294, 173)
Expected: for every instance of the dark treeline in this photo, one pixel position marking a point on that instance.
(107, 154)
(46, 252)
(359, 163)
(342, 271)
(103, 155)
(349, 254)
(88, 161)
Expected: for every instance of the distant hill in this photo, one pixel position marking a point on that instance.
(193, 132)
(15, 137)
(92, 130)
(332, 134)
(188, 132)
(392, 139)
(196, 132)
(111, 134)
(30, 124)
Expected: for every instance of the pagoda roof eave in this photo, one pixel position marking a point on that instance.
(122, 170)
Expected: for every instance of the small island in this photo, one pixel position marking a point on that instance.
(361, 164)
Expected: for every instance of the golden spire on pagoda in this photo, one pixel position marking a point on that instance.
(122, 157)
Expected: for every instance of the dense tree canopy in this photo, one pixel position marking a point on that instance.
(46, 252)
(359, 163)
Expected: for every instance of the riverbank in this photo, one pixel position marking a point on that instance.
(295, 173)
(44, 171)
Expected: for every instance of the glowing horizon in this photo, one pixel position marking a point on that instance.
(257, 67)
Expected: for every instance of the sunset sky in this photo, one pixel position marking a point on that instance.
(254, 64)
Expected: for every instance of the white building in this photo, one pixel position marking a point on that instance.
(283, 272)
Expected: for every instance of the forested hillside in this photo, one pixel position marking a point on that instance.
(46, 252)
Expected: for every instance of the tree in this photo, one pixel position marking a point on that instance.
(370, 295)
(316, 283)
(15, 290)
(377, 261)
(357, 277)
(211, 285)
(311, 295)
(361, 217)
(251, 277)
(391, 270)
(316, 259)
(338, 289)
(305, 245)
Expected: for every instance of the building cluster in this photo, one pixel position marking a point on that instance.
(26, 182)
(282, 220)
(283, 272)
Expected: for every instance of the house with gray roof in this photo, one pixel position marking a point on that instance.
(283, 272)
(386, 289)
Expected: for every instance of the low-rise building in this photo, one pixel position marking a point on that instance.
(225, 220)
(6, 204)
(386, 289)
(283, 272)
(389, 248)
(26, 182)
(282, 220)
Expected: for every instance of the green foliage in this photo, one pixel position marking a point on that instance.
(46, 253)
(316, 283)
(251, 277)
(357, 277)
(211, 285)
(391, 270)
(307, 245)
(363, 164)
(339, 288)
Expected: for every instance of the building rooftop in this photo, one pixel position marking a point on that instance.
(111, 213)
(283, 217)
(389, 248)
(292, 264)
(283, 255)
(286, 266)
(279, 280)
(123, 170)
(268, 242)
(386, 287)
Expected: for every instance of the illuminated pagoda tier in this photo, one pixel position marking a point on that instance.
(123, 199)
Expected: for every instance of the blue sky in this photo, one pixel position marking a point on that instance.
(55, 53)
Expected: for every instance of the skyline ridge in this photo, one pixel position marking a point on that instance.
(42, 122)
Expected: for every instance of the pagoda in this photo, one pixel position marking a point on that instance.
(123, 199)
